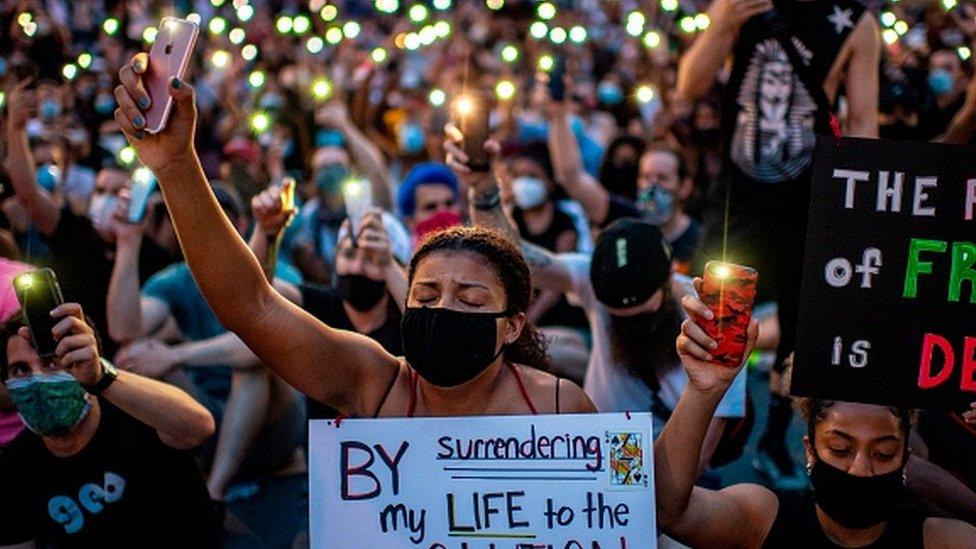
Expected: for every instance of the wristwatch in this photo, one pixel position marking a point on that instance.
(487, 201)
(109, 375)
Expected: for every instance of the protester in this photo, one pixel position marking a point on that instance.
(116, 441)
(253, 409)
(446, 271)
(775, 106)
(857, 461)
(428, 199)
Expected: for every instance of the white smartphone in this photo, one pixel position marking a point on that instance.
(358, 196)
(168, 58)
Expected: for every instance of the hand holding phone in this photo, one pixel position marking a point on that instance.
(143, 186)
(168, 59)
(358, 196)
(39, 293)
(729, 291)
(557, 79)
(471, 115)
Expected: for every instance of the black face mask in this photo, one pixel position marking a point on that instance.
(856, 502)
(362, 292)
(446, 347)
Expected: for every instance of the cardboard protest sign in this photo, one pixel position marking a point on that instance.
(888, 300)
(514, 482)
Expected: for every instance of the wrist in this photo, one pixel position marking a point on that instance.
(485, 199)
(177, 165)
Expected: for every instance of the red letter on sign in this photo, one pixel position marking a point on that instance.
(969, 365)
(925, 378)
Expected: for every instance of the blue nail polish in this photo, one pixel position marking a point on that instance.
(177, 83)
(140, 134)
(144, 102)
(138, 121)
(137, 67)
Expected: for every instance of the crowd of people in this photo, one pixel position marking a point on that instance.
(631, 141)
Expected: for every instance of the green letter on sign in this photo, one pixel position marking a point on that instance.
(916, 266)
(963, 258)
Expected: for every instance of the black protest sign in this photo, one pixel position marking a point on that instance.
(888, 300)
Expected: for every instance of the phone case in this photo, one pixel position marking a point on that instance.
(39, 306)
(169, 57)
(729, 291)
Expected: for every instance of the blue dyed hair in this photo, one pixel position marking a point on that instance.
(427, 173)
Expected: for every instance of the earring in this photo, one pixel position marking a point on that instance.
(809, 468)
(904, 477)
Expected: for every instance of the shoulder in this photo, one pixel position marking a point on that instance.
(867, 31)
(542, 387)
(761, 508)
(949, 533)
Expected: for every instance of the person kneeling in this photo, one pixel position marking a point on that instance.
(103, 462)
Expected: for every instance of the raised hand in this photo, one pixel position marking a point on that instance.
(694, 348)
(374, 239)
(21, 105)
(480, 182)
(125, 232)
(149, 357)
(170, 147)
(269, 210)
(77, 350)
(730, 15)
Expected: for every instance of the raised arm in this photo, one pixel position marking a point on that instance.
(40, 205)
(285, 338)
(130, 316)
(567, 163)
(367, 157)
(738, 516)
(862, 80)
(180, 421)
(484, 199)
(700, 64)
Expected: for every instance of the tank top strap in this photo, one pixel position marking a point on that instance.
(413, 393)
(521, 386)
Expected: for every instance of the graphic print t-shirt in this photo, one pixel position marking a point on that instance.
(771, 115)
(124, 489)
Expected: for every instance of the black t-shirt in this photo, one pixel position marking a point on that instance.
(561, 222)
(620, 208)
(326, 305)
(124, 489)
(684, 247)
(797, 526)
(80, 260)
(770, 118)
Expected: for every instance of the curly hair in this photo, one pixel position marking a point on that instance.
(509, 266)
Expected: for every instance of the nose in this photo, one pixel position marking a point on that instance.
(862, 466)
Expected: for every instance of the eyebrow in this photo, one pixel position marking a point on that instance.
(463, 285)
(848, 437)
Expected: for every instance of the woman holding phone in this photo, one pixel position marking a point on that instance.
(856, 459)
(466, 340)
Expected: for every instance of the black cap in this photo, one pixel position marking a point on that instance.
(631, 262)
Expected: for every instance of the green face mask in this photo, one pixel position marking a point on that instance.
(50, 405)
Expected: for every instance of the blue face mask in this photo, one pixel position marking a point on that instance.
(104, 104)
(327, 137)
(49, 405)
(288, 148)
(271, 101)
(48, 177)
(941, 81)
(411, 139)
(610, 93)
(656, 204)
(50, 109)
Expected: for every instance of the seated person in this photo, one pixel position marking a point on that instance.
(104, 462)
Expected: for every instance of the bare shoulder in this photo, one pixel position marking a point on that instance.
(867, 31)
(542, 387)
(949, 534)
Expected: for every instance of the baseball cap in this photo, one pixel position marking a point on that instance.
(631, 261)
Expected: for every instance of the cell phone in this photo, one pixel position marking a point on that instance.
(143, 186)
(358, 196)
(39, 293)
(729, 291)
(557, 79)
(168, 58)
(471, 115)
